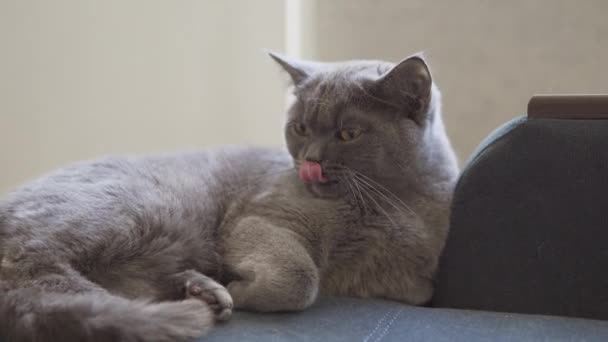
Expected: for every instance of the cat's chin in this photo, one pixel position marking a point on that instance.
(326, 190)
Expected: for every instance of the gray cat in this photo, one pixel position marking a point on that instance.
(155, 248)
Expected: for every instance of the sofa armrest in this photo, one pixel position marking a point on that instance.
(529, 223)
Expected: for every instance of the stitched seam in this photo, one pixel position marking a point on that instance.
(377, 327)
(388, 327)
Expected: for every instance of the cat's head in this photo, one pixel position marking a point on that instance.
(364, 119)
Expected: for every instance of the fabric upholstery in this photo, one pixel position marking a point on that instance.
(529, 224)
(347, 319)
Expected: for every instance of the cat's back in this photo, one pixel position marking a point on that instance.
(115, 189)
(189, 170)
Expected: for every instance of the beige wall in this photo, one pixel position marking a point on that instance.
(80, 79)
(488, 57)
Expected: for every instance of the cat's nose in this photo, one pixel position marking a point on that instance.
(314, 153)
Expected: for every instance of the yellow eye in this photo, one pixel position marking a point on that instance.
(349, 134)
(299, 129)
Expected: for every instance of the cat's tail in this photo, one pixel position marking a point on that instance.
(35, 315)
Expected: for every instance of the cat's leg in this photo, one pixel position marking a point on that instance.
(401, 278)
(275, 270)
(43, 297)
(193, 284)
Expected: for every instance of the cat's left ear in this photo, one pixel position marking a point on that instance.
(298, 70)
(407, 85)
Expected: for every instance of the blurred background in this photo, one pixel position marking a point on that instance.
(84, 78)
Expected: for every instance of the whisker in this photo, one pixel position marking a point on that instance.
(379, 189)
(360, 193)
(385, 197)
(350, 187)
(380, 207)
(387, 191)
(364, 207)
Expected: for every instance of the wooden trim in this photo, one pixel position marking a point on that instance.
(583, 107)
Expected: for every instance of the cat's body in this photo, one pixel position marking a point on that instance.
(83, 248)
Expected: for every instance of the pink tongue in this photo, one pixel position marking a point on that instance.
(311, 172)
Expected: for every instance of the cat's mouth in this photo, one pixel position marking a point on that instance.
(330, 189)
(317, 181)
(312, 172)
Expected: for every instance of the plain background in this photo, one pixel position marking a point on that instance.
(83, 78)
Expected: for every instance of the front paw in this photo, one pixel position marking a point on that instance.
(211, 292)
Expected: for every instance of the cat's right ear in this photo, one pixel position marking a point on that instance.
(298, 70)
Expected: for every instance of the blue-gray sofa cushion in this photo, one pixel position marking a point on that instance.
(367, 320)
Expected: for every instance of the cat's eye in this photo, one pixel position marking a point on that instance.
(299, 129)
(349, 134)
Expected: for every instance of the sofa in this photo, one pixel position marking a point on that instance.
(526, 257)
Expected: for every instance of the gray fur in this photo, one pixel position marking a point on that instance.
(117, 248)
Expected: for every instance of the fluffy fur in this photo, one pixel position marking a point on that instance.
(154, 248)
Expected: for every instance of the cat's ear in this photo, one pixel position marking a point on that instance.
(408, 85)
(298, 70)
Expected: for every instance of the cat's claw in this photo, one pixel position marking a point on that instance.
(213, 293)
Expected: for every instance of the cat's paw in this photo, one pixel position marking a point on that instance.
(214, 294)
(195, 285)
